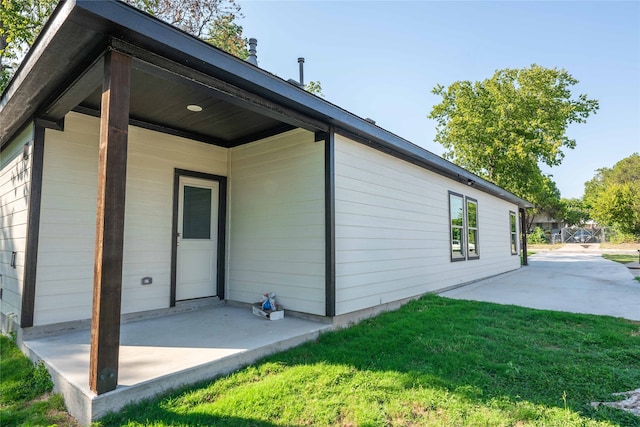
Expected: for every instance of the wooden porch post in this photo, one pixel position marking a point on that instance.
(112, 168)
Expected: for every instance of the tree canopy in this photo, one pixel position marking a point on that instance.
(502, 128)
(211, 20)
(214, 21)
(575, 212)
(613, 195)
(20, 24)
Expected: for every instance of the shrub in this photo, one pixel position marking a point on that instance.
(537, 236)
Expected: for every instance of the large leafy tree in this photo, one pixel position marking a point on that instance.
(576, 212)
(20, 24)
(613, 195)
(212, 20)
(543, 192)
(504, 127)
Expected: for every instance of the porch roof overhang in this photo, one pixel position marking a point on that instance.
(171, 69)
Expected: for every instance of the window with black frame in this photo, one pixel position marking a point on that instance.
(472, 228)
(463, 217)
(513, 226)
(456, 213)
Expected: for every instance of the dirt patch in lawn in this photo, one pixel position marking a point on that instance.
(630, 404)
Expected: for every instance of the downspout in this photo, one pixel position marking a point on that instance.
(523, 232)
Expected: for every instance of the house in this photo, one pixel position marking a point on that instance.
(547, 222)
(142, 167)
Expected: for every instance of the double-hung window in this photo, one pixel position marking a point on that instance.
(456, 209)
(463, 217)
(472, 228)
(513, 227)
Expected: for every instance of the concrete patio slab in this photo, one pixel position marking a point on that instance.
(167, 352)
(574, 279)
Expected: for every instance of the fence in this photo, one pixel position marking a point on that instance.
(578, 235)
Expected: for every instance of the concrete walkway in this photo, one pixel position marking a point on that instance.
(167, 352)
(573, 279)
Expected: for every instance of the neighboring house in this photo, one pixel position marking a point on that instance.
(213, 179)
(552, 227)
(547, 223)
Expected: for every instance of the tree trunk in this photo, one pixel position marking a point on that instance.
(529, 215)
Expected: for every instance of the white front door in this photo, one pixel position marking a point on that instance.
(196, 268)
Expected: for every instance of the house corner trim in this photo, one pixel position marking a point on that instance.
(33, 229)
(330, 223)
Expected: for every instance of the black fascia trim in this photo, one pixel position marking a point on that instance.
(86, 78)
(61, 49)
(159, 128)
(466, 210)
(222, 227)
(59, 15)
(33, 229)
(464, 258)
(162, 39)
(152, 63)
(50, 124)
(330, 223)
(178, 132)
(146, 33)
(409, 152)
(277, 130)
(125, 22)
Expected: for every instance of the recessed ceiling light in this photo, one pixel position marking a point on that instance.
(195, 108)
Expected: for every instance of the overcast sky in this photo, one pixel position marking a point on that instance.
(381, 60)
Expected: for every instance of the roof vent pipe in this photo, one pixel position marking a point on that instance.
(301, 63)
(253, 57)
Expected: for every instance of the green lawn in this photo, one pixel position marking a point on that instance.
(25, 398)
(435, 362)
(621, 258)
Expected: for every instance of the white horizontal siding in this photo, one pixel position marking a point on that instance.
(276, 222)
(15, 183)
(67, 231)
(392, 230)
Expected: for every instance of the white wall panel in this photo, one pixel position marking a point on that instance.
(276, 222)
(392, 230)
(15, 182)
(67, 230)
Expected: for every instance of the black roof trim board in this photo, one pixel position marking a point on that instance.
(262, 135)
(79, 26)
(150, 62)
(156, 127)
